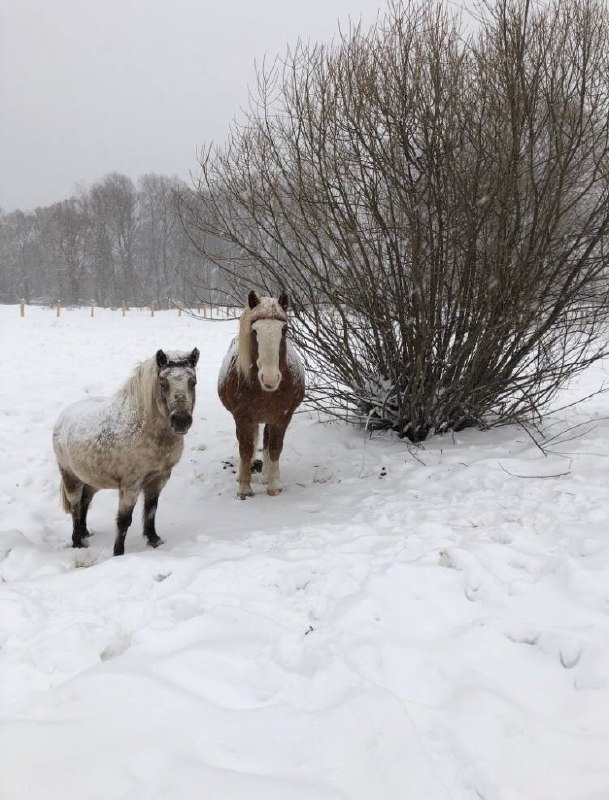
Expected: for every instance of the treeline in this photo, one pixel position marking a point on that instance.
(117, 241)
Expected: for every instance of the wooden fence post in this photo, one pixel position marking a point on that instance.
(152, 309)
(58, 310)
(22, 308)
(123, 309)
(93, 307)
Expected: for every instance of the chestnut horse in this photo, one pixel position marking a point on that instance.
(261, 382)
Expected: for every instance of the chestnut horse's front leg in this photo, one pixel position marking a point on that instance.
(273, 445)
(246, 435)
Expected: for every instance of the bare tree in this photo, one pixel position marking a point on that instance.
(114, 201)
(19, 252)
(74, 241)
(436, 202)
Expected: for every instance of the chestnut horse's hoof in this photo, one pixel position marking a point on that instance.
(245, 495)
(273, 492)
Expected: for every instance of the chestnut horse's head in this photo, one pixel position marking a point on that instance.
(262, 338)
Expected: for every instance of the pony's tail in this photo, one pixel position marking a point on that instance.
(65, 503)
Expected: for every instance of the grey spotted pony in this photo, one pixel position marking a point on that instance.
(129, 442)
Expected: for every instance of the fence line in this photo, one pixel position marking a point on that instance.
(202, 311)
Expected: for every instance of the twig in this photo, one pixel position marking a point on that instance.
(515, 475)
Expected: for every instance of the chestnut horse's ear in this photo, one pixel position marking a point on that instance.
(283, 300)
(193, 357)
(161, 359)
(252, 299)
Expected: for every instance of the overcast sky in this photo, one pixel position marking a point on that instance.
(89, 87)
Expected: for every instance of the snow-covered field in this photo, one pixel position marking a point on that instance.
(397, 625)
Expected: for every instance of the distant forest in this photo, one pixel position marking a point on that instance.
(117, 241)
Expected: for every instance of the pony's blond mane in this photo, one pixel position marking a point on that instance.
(267, 308)
(139, 390)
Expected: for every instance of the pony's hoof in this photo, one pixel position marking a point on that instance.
(257, 465)
(245, 495)
(273, 492)
(79, 544)
(155, 541)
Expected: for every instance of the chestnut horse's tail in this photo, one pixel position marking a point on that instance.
(65, 503)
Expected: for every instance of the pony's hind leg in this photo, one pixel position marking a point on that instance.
(126, 504)
(246, 437)
(72, 489)
(152, 490)
(85, 502)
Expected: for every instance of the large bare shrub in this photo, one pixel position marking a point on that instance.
(435, 201)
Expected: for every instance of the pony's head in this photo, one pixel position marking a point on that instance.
(262, 333)
(176, 381)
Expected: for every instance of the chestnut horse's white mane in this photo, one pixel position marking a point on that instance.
(267, 308)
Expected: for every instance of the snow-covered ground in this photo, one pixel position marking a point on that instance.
(397, 625)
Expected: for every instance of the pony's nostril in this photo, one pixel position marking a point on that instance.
(180, 420)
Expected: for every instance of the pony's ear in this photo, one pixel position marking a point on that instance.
(161, 359)
(193, 357)
(252, 299)
(283, 300)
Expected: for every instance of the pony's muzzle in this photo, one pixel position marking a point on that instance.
(180, 421)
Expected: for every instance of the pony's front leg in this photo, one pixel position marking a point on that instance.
(126, 504)
(246, 435)
(152, 490)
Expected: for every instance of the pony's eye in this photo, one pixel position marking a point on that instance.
(164, 383)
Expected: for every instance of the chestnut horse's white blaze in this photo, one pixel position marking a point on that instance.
(269, 333)
(129, 442)
(261, 382)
